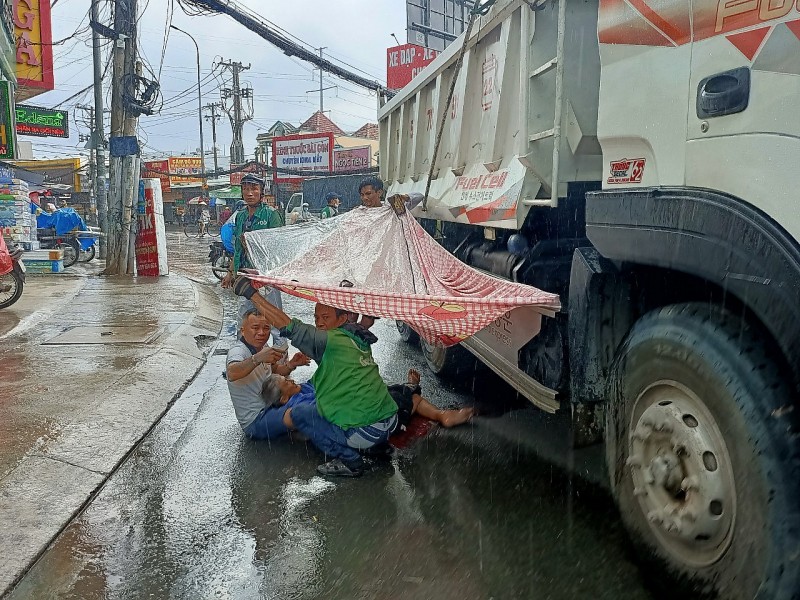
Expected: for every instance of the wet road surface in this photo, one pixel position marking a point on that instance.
(198, 511)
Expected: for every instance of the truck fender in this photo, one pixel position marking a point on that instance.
(711, 235)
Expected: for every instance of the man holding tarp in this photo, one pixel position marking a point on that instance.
(354, 410)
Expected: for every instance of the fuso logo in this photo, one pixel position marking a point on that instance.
(626, 170)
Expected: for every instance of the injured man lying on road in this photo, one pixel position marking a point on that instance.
(346, 409)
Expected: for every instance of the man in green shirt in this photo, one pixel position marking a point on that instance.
(332, 208)
(254, 216)
(354, 410)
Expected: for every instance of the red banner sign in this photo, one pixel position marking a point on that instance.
(155, 169)
(404, 62)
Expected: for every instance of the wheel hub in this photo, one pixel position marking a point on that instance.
(681, 472)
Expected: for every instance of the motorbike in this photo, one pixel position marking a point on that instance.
(12, 274)
(221, 253)
(220, 259)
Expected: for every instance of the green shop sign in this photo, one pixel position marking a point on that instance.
(8, 141)
(43, 122)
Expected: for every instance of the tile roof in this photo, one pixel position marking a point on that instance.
(319, 123)
(368, 130)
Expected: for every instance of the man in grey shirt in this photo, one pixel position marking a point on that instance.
(250, 363)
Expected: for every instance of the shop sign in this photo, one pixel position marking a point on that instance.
(34, 37)
(42, 122)
(8, 140)
(302, 152)
(187, 170)
(404, 62)
(352, 159)
(157, 169)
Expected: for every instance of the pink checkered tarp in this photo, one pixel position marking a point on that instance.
(397, 270)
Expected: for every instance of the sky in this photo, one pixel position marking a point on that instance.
(354, 31)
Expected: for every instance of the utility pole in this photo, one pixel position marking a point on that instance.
(236, 112)
(90, 138)
(322, 89)
(99, 136)
(214, 117)
(124, 169)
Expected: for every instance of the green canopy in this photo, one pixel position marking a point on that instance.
(233, 191)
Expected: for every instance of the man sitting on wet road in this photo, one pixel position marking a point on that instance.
(354, 410)
(250, 363)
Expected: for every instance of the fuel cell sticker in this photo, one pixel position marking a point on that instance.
(627, 170)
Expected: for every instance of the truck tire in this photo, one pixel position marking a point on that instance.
(703, 454)
(408, 335)
(447, 362)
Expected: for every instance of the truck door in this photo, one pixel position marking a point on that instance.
(743, 125)
(645, 53)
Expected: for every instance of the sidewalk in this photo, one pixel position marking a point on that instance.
(87, 366)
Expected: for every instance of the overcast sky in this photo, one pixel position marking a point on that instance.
(355, 31)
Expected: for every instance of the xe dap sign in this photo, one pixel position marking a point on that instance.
(43, 122)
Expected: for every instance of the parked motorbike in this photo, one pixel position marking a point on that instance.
(220, 259)
(12, 274)
(68, 243)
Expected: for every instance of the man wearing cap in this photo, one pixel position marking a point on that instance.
(332, 208)
(253, 216)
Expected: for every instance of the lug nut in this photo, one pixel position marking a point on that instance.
(637, 491)
(689, 483)
(655, 517)
(648, 476)
(634, 461)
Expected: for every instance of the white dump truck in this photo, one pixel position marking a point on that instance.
(641, 158)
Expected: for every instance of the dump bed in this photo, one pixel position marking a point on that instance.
(522, 123)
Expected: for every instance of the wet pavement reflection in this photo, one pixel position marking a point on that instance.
(198, 511)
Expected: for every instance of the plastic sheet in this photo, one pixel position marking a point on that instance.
(6, 264)
(63, 220)
(396, 270)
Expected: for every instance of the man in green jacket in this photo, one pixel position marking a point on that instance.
(354, 410)
(254, 216)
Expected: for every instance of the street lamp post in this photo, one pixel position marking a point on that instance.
(199, 113)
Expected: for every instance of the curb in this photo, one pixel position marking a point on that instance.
(45, 491)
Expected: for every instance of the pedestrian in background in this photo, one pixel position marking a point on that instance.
(332, 209)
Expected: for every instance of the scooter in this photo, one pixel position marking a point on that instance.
(220, 259)
(12, 274)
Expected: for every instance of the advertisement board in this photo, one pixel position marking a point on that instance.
(236, 176)
(41, 122)
(8, 136)
(151, 240)
(404, 62)
(34, 37)
(66, 171)
(156, 169)
(352, 159)
(302, 152)
(187, 168)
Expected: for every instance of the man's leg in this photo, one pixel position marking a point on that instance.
(327, 437)
(448, 418)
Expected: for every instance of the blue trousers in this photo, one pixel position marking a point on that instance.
(337, 442)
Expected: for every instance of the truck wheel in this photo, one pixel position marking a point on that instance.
(408, 335)
(702, 455)
(447, 362)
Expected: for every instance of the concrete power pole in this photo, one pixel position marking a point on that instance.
(236, 112)
(322, 89)
(99, 135)
(124, 170)
(214, 117)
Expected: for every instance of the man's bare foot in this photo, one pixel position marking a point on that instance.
(414, 377)
(451, 418)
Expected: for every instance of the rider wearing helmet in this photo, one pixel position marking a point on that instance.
(253, 216)
(332, 209)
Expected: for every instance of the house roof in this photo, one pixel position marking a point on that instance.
(368, 131)
(319, 123)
